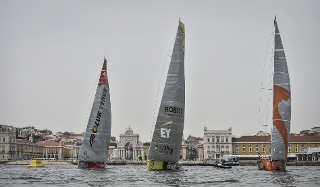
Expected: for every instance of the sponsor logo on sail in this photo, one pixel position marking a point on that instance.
(165, 132)
(94, 129)
(98, 117)
(173, 111)
(165, 149)
(168, 123)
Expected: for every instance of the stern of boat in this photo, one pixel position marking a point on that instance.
(271, 165)
(160, 165)
(83, 164)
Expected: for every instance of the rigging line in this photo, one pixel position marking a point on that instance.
(265, 60)
(263, 72)
(270, 94)
(160, 83)
(90, 105)
(264, 78)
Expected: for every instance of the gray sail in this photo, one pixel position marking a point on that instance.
(167, 135)
(281, 102)
(96, 141)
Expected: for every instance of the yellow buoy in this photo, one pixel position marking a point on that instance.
(36, 162)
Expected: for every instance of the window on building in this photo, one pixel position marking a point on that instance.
(257, 148)
(222, 139)
(315, 145)
(250, 148)
(222, 149)
(4, 139)
(208, 149)
(226, 139)
(218, 139)
(212, 139)
(237, 148)
(302, 145)
(289, 148)
(243, 148)
(218, 148)
(296, 148)
(227, 149)
(208, 139)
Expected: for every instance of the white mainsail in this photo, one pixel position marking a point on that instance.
(167, 136)
(281, 102)
(96, 141)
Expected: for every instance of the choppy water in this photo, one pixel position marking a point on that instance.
(137, 175)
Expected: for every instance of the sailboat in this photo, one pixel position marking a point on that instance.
(281, 110)
(95, 146)
(165, 146)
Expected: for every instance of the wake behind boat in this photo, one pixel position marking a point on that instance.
(95, 146)
(281, 110)
(164, 151)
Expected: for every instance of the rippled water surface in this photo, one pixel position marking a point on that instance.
(130, 175)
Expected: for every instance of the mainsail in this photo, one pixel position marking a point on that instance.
(95, 146)
(167, 136)
(281, 102)
(281, 109)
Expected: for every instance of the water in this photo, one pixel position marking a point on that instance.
(137, 175)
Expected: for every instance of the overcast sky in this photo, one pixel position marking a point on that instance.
(51, 55)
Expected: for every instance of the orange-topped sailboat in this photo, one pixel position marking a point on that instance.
(281, 110)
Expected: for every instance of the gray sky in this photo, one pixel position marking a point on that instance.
(51, 55)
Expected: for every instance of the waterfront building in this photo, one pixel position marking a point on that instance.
(251, 147)
(217, 143)
(51, 149)
(7, 142)
(192, 148)
(128, 147)
(306, 148)
(316, 129)
(27, 149)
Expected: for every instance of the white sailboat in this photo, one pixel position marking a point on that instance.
(164, 151)
(281, 110)
(95, 146)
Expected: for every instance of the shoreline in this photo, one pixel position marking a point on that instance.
(185, 163)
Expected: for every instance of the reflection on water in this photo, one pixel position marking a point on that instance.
(55, 175)
(282, 178)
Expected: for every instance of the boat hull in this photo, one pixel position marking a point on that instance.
(271, 165)
(83, 164)
(161, 165)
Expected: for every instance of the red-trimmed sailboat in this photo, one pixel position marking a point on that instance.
(95, 146)
(281, 110)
